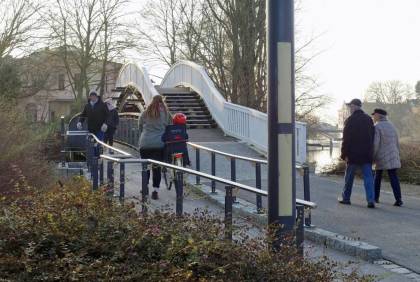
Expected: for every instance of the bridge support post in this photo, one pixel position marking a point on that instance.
(101, 172)
(228, 212)
(122, 182)
(89, 153)
(179, 189)
(144, 188)
(281, 119)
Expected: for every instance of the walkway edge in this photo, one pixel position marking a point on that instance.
(329, 239)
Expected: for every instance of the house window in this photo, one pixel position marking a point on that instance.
(61, 82)
(52, 116)
(31, 112)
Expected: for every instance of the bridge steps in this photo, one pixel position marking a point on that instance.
(190, 103)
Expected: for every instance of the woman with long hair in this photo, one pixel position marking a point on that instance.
(152, 124)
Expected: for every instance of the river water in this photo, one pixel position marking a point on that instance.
(321, 158)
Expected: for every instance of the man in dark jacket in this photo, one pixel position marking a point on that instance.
(357, 151)
(97, 115)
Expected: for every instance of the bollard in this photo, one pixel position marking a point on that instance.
(179, 188)
(197, 164)
(233, 177)
(307, 193)
(258, 186)
(300, 233)
(94, 173)
(213, 172)
(228, 213)
(63, 142)
(122, 182)
(144, 188)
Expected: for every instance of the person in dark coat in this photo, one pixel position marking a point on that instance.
(357, 151)
(113, 121)
(97, 115)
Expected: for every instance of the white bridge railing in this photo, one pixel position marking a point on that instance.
(241, 122)
(137, 77)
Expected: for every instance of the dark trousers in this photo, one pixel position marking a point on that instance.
(157, 155)
(395, 183)
(109, 136)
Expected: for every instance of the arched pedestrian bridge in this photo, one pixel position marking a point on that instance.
(188, 89)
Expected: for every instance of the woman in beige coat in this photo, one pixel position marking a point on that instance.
(386, 154)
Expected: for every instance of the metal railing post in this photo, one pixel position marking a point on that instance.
(110, 177)
(89, 153)
(101, 172)
(179, 188)
(300, 233)
(63, 142)
(307, 193)
(213, 172)
(144, 188)
(94, 173)
(122, 181)
(233, 176)
(197, 164)
(258, 186)
(228, 212)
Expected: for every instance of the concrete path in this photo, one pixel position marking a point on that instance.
(395, 230)
(196, 203)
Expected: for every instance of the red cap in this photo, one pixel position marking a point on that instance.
(179, 119)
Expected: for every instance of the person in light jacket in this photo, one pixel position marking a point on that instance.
(386, 154)
(152, 124)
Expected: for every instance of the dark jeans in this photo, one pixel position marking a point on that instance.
(395, 183)
(367, 178)
(154, 154)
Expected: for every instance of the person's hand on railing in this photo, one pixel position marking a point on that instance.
(79, 126)
(104, 127)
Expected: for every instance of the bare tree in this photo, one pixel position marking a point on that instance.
(18, 23)
(227, 37)
(87, 34)
(388, 92)
(159, 30)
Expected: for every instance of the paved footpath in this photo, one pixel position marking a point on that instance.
(394, 229)
(193, 201)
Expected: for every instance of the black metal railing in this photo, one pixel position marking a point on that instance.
(128, 134)
(118, 156)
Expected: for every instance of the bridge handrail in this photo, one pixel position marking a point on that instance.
(241, 122)
(241, 186)
(128, 158)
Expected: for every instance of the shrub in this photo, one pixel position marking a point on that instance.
(21, 161)
(70, 233)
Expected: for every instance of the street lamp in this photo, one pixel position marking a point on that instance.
(281, 117)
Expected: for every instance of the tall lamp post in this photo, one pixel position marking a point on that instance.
(281, 117)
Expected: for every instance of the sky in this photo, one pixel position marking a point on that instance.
(361, 41)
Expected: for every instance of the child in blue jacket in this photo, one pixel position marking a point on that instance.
(176, 138)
